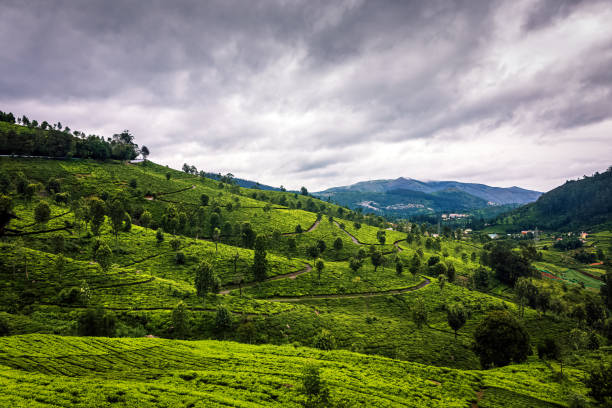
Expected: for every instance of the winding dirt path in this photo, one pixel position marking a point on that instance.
(355, 240)
(351, 295)
(396, 243)
(291, 275)
(312, 228)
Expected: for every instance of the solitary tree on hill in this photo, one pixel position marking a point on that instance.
(457, 316)
(500, 339)
(320, 265)
(377, 259)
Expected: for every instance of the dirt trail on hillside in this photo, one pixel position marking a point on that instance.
(355, 240)
(312, 228)
(291, 275)
(351, 295)
(396, 243)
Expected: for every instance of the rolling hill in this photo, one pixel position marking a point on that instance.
(584, 203)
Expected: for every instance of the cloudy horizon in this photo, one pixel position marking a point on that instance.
(325, 94)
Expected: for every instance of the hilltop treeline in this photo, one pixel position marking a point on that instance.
(25, 137)
(576, 204)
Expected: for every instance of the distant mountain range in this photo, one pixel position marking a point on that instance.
(406, 196)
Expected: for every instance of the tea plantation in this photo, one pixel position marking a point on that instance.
(187, 291)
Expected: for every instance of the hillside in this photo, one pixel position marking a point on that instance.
(583, 203)
(403, 196)
(84, 269)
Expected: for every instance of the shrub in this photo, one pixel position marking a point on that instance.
(325, 340)
(500, 339)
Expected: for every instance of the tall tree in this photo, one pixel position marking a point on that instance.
(206, 281)
(260, 263)
(456, 316)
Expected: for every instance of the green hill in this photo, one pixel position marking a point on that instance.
(113, 249)
(583, 203)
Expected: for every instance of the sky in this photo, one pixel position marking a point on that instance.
(326, 93)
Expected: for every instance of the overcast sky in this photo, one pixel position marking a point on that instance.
(326, 93)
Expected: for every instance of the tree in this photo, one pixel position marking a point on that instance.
(321, 245)
(159, 236)
(96, 212)
(260, 263)
(204, 199)
(338, 244)
(481, 279)
(180, 320)
(549, 348)
(97, 322)
(42, 213)
(450, 272)
(248, 235)
(313, 251)
(6, 212)
(103, 256)
(508, 265)
(116, 213)
(216, 235)
(144, 151)
(319, 265)
(442, 282)
(399, 266)
(206, 281)
(456, 316)
(419, 313)
(377, 259)
(168, 175)
(600, 383)
(355, 264)
(315, 390)
(304, 191)
(605, 290)
(500, 339)
(223, 319)
(415, 265)
(175, 243)
(381, 236)
(145, 219)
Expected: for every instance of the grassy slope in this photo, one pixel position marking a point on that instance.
(45, 371)
(146, 276)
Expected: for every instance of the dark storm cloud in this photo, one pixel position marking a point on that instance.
(311, 90)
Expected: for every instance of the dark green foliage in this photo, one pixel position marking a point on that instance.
(600, 383)
(97, 322)
(481, 278)
(205, 279)
(260, 263)
(338, 244)
(508, 265)
(419, 313)
(325, 340)
(433, 260)
(103, 255)
(605, 291)
(180, 321)
(549, 349)
(6, 212)
(314, 388)
(95, 213)
(180, 258)
(450, 272)
(313, 251)
(377, 259)
(42, 213)
(247, 235)
(456, 316)
(565, 207)
(159, 236)
(500, 339)
(223, 319)
(36, 141)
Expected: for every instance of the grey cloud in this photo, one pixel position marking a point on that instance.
(301, 80)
